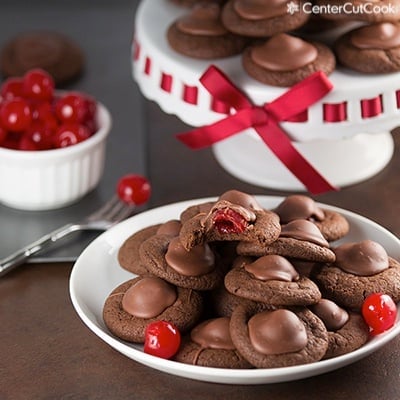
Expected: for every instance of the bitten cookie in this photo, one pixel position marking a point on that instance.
(278, 338)
(233, 217)
(284, 60)
(271, 279)
(371, 49)
(299, 239)
(210, 345)
(200, 34)
(261, 18)
(134, 304)
(53, 52)
(332, 225)
(360, 269)
(346, 331)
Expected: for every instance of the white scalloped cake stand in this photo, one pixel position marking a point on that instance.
(348, 149)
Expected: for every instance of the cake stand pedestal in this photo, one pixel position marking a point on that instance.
(345, 136)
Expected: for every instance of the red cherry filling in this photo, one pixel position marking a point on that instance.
(229, 221)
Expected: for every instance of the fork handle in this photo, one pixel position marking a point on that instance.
(20, 256)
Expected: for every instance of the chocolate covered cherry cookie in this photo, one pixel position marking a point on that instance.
(200, 34)
(134, 304)
(371, 49)
(360, 269)
(262, 18)
(209, 344)
(284, 60)
(278, 338)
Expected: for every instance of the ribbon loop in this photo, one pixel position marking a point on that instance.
(264, 120)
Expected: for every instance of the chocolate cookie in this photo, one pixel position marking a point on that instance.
(361, 10)
(261, 18)
(228, 221)
(192, 211)
(278, 338)
(134, 304)
(371, 49)
(200, 34)
(166, 258)
(210, 345)
(284, 60)
(346, 331)
(53, 52)
(360, 269)
(271, 279)
(332, 225)
(128, 254)
(299, 239)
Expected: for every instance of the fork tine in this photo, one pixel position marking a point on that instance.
(105, 209)
(124, 211)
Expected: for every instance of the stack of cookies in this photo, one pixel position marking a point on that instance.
(278, 39)
(250, 287)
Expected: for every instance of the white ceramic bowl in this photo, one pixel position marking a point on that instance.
(48, 179)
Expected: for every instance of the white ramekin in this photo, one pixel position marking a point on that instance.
(49, 179)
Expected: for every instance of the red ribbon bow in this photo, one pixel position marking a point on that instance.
(264, 119)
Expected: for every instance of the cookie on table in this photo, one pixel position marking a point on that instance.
(197, 269)
(299, 239)
(347, 331)
(235, 216)
(362, 10)
(284, 60)
(371, 49)
(262, 18)
(271, 279)
(210, 345)
(360, 269)
(200, 34)
(278, 338)
(332, 224)
(51, 51)
(134, 304)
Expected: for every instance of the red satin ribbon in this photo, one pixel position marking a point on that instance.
(264, 119)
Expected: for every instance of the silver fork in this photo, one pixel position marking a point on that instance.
(108, 215)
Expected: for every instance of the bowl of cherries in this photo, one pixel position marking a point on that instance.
(52, 144)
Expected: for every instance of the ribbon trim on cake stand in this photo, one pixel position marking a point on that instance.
(265, 121)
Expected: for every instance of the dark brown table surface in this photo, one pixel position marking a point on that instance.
(46, 352)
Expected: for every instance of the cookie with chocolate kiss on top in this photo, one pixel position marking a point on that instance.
(278, 338)
(134, 304)
(234, 216)
(200, 34)
(271, 279)
(299, 239)
(332, 224)
(197, 269)
(371, 49)
(209, 344)
(347, 331)
(262, 18)
(284, 60)
(360, 269)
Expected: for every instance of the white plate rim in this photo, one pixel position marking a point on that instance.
(120, 232)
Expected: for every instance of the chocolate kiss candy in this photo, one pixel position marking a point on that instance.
(213, 334)
(284, 53)
(377, 36)
(204, 19)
